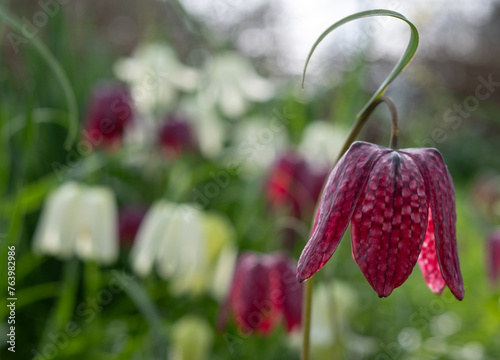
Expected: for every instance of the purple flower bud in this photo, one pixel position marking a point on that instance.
(110, 111)
(493, 257)
(293, 185)
(263, 291)
(177, 137)
(401, 205)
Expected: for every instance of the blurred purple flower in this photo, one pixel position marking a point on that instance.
(493, 257)
(177, 136)
(109, 112)
(292, 185)
(263, 291)
(129, 220)
(393, 199)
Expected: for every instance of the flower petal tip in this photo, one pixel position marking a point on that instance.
(459, 295)
(301, 277)
(438, 291)
(302, 280)
(384, 293)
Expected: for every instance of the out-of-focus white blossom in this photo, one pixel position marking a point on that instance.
(80, 220)
(231, 82)
(321, 143)
(189, 248)
(192, 339)
(257, 143)
(221, 254)
(155, 75)
(170, 236)
(209, 127)
(331, 306)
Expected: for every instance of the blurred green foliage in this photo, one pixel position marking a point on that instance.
(137, 323)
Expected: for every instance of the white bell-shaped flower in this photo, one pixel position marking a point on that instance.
(79, 220)
(170, 237)
(194, 251)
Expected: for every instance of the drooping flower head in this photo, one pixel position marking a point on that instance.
(293, 185)
(263, 291)
(195, 251)
(401, 205)
(171, 237)
(177, 137)
(110, 111)
(493, 257)
(79, 220)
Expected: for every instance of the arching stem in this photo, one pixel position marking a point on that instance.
(394, 129)
(361, 121)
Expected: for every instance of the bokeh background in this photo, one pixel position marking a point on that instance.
(212, 119)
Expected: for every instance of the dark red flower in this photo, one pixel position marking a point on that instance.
(263, 290)
(177, 137)
(110, 111)
(129, 220)
(401, 205)
(293, 185)
(493, 257)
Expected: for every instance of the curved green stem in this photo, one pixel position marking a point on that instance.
(58, 71)
(403, 62)
(394, 117)
(361, 119)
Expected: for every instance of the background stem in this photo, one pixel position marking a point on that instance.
(306, 323)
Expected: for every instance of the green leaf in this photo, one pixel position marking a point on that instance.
(30, 197)
(64, 309)
(37, 292)
(39, 116)
(400, 66)
(58, 71)
(142, 300)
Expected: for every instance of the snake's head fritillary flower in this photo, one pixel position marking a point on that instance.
(79, 220)
(401, 205)
(110, 111)
(262, 292)
(177, 137)
(194, 251)
(493, 257)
